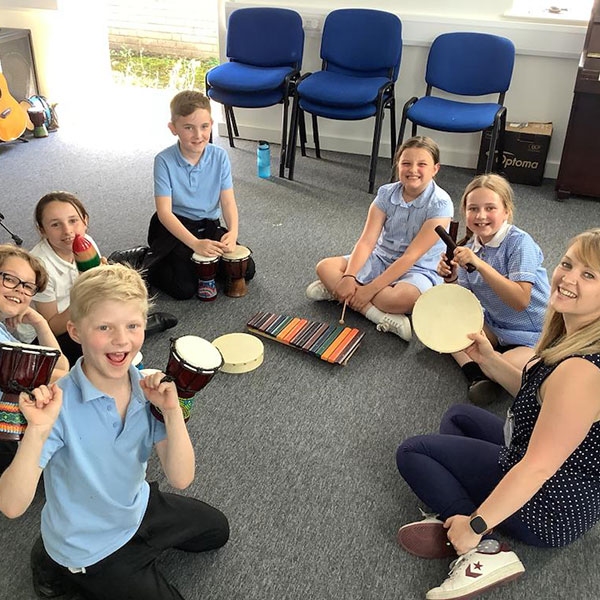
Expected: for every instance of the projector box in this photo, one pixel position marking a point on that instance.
(525, 151)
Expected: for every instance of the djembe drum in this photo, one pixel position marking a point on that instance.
(206, 269)
(193, 362)
(38, 119)
(235, 264)
(23, 367)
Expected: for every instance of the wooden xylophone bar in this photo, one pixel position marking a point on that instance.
(332, 343)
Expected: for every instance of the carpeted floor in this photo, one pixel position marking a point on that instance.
(299, 454)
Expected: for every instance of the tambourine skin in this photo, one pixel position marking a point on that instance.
(444, 315)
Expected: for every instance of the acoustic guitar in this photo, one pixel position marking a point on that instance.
(13, 118)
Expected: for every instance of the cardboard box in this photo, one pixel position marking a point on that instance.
(525, 151)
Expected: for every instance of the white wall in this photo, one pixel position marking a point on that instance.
(70, 43)
(541, 88)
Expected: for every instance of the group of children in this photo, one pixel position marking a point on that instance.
(103, 526)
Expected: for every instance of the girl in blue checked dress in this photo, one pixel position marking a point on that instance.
(508, 280)
(394, 260)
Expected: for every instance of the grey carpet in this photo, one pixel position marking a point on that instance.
(298, 454)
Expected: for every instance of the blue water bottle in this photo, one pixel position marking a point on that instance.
(263, 159)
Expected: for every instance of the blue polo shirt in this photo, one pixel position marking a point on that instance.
(194, 189)
(6, 335)
(94, 471)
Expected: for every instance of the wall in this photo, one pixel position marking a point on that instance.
(186, 28)
(541, 88)
(70, 44)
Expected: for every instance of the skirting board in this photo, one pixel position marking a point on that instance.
(450, 156)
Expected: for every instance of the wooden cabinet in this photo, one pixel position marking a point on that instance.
(579, 171)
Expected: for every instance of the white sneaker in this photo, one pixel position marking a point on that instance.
(480, 569)
(398, 324)
(426, 538)
(317, 291)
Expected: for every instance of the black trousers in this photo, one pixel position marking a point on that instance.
(169, 264)
(131, 573)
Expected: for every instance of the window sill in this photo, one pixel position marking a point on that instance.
(544, 16)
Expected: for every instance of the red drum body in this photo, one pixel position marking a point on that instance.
(193, 362)
(23, 367)
(235, 264)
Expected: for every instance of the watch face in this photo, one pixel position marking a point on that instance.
(478, 525)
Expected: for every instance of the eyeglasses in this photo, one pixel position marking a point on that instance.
(11, 282)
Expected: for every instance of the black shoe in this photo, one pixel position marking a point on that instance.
(134, 257)
(250, 269)
(484, 391)
(160, 321)
(48, 580)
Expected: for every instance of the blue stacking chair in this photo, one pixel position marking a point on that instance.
(465, 64)
(360, 53)
(264, 48)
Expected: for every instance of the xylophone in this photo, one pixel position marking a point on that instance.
(332, 343)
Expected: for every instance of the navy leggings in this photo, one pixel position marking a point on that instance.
(454, 471)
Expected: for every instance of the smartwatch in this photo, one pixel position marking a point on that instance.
(478, 525)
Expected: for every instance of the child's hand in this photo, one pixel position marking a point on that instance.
(230, 241)
(481, 349)
(445, 271)
(43, 409)
(345, 289)
(209, 247)
(464, 255)
(103, 260)
(162, 395)
(363, 295)
(28, 317)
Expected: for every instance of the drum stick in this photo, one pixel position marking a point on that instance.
(343, 312)
(450, 247)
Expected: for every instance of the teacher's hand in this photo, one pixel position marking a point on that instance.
(460, 534)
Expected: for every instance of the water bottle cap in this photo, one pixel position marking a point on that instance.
(263, 144)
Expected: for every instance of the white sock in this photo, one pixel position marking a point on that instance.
(374, 314)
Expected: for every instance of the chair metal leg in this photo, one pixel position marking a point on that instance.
(375, 148)
(284, 125)
(302, 132)
(500, 146)
(291, 153)
(228, 122)
(491, 158)
(392, 107)
(414, 130)
(315, 127)
(235, 129)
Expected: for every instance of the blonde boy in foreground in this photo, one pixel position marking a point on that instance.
(103, 526)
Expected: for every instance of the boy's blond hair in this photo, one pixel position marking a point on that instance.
(186, 102)
(41, 277)
(107, 282)
(554, 344)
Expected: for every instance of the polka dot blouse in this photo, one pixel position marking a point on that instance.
(568, 504)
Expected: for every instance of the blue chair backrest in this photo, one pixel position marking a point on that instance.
(470, 64)
(362, 42)
(265, 37)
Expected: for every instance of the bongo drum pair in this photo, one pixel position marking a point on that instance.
(23, 367)
(235, 264)
(193, 362)
(444, 315)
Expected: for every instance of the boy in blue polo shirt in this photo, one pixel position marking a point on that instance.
(192, 187)
(103, 526)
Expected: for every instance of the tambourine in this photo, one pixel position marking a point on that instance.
(444, 315)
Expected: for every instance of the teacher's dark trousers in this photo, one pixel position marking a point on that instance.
(132, 573)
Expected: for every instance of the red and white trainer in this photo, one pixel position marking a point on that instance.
(485, 567)
(426, 538)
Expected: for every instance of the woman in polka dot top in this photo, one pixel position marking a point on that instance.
(535, 477)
